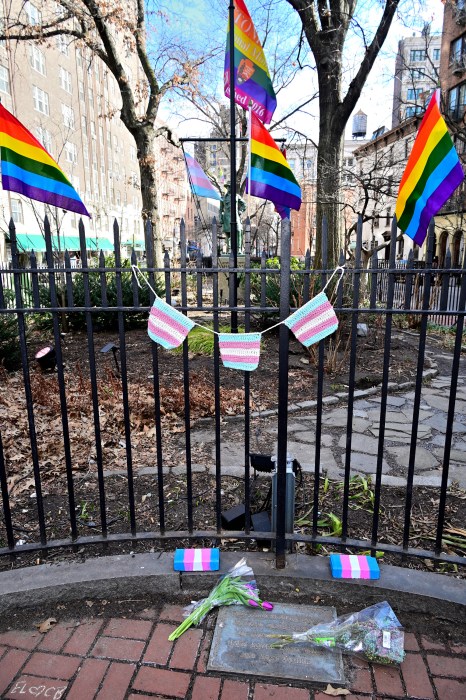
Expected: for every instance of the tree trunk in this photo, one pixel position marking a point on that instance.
(328, 188)
(144, 135)
(329, 155)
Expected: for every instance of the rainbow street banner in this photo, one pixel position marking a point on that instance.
(432, 174)
(28, 169)
(270, 174)
(251, 75)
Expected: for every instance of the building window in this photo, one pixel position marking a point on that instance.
(4, 80)
(68, 116)
(416, 55)
(32, 13)
(65, 79)
(17, 211)
(45, 137)
(436, 55)
(71, 153)
(413, 93)
(412, 111)
(376, 221)
(457, 101)
(63, 44)
(417, 74)
(41, 100)
(37, 59)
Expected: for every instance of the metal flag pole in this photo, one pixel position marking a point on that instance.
(233, 222)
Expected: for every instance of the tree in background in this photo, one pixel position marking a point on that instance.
(326, 27)
(113, 30)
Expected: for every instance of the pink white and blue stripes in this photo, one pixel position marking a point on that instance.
(197, 559)
(167, 326)
(354, 566)
(313, 321)
(240, 350)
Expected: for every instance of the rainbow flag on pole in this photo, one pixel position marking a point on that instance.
(432, 174)
(200, 183)
(28, 169)
(270, 175)
(250, 72)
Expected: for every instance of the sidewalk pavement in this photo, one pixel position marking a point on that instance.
(130, 658)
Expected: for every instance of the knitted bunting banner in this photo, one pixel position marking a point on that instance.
(313, 321)
(167, 326)
(240, 350)
(310, 324)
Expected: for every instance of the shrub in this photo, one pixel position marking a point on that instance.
(103, 320)
(272, 285)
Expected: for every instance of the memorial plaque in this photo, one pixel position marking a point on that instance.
(241, 644)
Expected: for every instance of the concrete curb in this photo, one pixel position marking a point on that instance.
(303, 578)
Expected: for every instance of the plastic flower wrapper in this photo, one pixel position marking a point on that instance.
(373, 633)
(233, 589)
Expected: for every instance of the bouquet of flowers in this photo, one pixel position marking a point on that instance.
(374, 633)
(233, 589)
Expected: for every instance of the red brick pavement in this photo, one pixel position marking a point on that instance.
(132, 659)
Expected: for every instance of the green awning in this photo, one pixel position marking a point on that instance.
(36, 242)
(98, 243)
(137, 245)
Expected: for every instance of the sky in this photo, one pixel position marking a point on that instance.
(377, 96)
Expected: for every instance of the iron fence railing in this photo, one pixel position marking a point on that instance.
(56, 297)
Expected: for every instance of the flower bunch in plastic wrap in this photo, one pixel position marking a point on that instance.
(373, 633)
(233, 589)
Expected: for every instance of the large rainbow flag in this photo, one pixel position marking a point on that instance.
(251, 74)
(270, 175)
(432, 174)
(27, 168)
(200, 183)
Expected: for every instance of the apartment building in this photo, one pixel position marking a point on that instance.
(379, 165)
(70, 101)
(416, 74)
(450, 224)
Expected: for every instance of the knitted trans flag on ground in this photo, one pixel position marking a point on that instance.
(240, 350)
(167, 326)
(313, 321)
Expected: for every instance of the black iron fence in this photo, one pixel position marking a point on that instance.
(83, 403)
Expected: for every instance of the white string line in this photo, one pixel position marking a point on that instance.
(136, 271)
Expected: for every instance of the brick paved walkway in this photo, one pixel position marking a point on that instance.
(130, 659)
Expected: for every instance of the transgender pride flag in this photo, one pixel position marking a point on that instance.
(313, 321)
(240, 350)
(200, 183)
(167, 326)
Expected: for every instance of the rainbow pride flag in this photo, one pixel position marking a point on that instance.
(250, 72)
(270, 175)
(432, 174)
(28, 169)
(200, 183)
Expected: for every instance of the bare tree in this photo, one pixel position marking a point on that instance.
(326, 26)
(112, 29)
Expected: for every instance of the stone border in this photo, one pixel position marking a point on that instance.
(304, 577)
(339, 397)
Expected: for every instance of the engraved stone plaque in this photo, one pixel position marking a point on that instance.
(241, 644)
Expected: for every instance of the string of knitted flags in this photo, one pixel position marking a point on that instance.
(312, 322)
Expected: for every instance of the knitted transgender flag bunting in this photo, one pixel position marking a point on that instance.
(167, 326)
(313, 321)
(240, 350)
